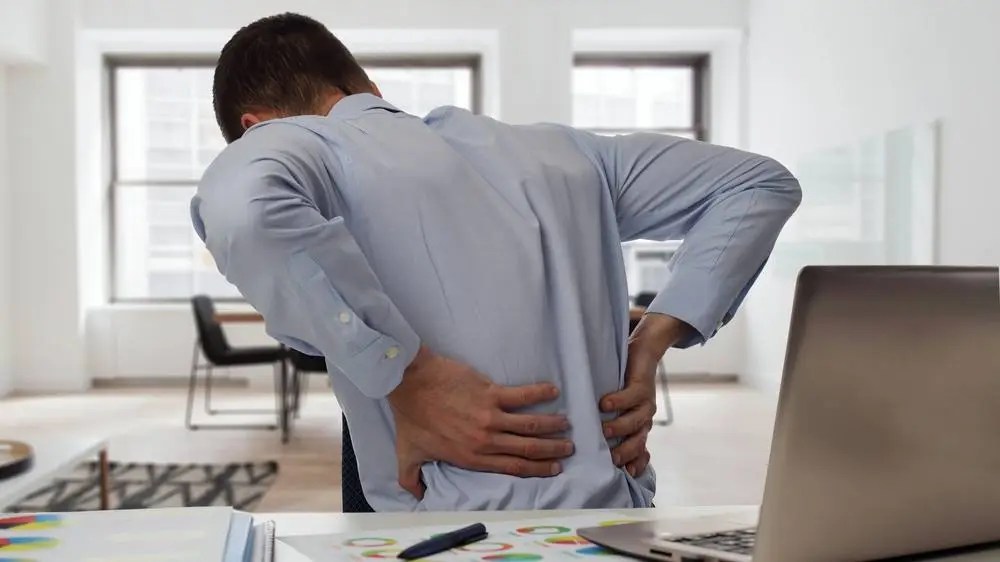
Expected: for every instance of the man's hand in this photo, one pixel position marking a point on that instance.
(447, 411)
(636, 403)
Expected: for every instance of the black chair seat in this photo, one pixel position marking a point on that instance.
(248, 355)
(307, 363)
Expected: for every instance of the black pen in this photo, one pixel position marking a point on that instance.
(447, 541)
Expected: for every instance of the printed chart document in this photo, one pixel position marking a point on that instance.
(204, 534)
(535, 540)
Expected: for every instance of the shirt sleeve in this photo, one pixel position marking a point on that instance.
(301, 270)
(728, 206)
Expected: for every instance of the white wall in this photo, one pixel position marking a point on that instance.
(22, 40)
(48, 342)
(6, 265)
(69, 334)
(824, 73)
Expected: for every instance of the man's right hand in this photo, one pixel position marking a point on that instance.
(447, 411)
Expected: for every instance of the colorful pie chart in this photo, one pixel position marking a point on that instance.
(370, 542)
(543, 530)
(486, 546)
(510, 556)
(569, 540)
(20, 544)
(386, 553)
(30, 522)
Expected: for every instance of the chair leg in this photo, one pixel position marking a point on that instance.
(192, 383)
(296, 391)
(276, 374)
(208, 391)
(283, 397)
(192, 389)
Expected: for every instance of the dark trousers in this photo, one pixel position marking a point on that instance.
(351, 493)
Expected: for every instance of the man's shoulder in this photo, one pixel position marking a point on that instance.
(287, 141)
(451, 113)
(456, 121)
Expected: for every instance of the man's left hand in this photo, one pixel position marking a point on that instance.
(636, 403)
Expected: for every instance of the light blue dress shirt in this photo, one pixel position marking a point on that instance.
(361, 234)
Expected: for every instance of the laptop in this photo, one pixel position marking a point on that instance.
(887, 438)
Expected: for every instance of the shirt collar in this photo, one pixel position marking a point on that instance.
(356, 104)
(348, 107)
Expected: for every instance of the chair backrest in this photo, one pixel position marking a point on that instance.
(210, 333)
(644, 299)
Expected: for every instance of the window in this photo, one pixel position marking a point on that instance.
(418, 85)
(164, 135)
(625, 94)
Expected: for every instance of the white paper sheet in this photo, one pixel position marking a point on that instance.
(534, 540)
(142, 535)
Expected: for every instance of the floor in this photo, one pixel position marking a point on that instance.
(715, 452)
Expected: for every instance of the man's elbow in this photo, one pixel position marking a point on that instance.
(782, 185)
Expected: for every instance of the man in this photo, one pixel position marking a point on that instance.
(464, 277)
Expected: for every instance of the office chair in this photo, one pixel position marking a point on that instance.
(352, 496)
(643, 300)
(214, 346)
(302, 364)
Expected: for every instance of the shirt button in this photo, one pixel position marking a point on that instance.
(344, 317)
(392, 352)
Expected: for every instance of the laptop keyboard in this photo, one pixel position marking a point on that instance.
(738, 542)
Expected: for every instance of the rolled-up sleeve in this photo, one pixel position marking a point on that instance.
(302, 270)
(728, 206)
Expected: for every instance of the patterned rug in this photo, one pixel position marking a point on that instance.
(142, 485)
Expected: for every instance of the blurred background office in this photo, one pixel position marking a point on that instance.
(884, 108)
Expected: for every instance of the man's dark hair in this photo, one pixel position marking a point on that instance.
(285, 63)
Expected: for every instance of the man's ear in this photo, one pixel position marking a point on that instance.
(375, 89)
(248, 120)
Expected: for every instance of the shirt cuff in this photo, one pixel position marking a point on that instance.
(378, 368)
(693, 296)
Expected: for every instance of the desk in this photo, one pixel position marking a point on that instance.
(290, 524)
(54, 456)
(246, 317)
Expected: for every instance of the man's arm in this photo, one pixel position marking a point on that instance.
(728, 207)
(309, 279)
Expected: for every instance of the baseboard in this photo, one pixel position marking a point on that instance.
(166, 382)
(703, 378)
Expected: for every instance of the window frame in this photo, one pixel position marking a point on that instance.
(699, 63)
(471, 61)
(112, 63)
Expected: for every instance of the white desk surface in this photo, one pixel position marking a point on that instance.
(53, 455)
(289, 524)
